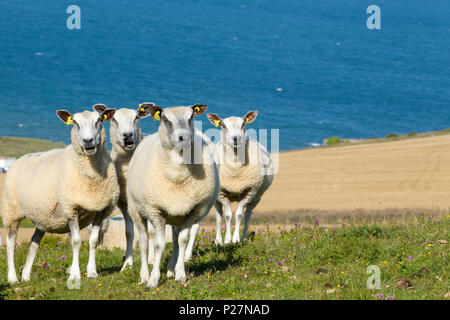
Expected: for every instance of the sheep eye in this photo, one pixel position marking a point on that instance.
(164, 118)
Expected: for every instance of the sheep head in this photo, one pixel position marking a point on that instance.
(177, 124)
(125, 131)
(88, 128)
(233, 128)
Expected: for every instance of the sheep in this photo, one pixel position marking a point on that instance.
(192, 232)
(165, 186)
(62, 190)
(246, 172)
(125, 135)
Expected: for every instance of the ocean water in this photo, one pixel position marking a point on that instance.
(312, 68)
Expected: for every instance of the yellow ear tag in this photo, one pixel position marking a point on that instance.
(246, 120)
(141, 109)
(197, 109)
(69, 121)
(216, 123)
(157, 117)
(105, 117)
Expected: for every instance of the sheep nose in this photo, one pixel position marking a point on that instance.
(180, 138)
(88, 141)
(235, 140)
(128, 135)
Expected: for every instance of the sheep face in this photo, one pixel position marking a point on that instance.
(177, 127)
(125, 130)
(233, 128)
(88, 128)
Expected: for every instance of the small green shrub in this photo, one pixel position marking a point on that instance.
(333, 140)
(392, 135)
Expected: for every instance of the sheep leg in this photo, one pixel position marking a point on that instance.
(248, 215)
(129, 234)
(192, 236)
(10, 247)
(76, 244)
(175, 253)
(228, 216)
(238, 217)
(151, 243)
(34, 246)
(143, 246)
(160, 232)
(180, 272)
(93, 243)
(219, 214)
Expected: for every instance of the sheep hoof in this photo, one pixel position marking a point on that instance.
(25, 278)
(13, 279)
(170, 274)
(74, 278)
(127, 265)
(218, 241)
(180, 276)
(144, 278)
(152, 283)
(92, 274)
(187, 257)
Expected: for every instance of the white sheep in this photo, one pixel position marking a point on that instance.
(172, 179)
(62, 190)
(125, 135)
(245, 171)
(192, 232)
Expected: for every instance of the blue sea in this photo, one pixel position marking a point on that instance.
(312, 68)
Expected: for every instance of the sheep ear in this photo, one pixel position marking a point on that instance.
(144, 109)
(199, 109)
(215, 119)
(250, 117)
(100, 108)
(156, 111)
(108, 114)
(65, 116)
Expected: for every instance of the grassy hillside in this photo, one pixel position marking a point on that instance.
(337, 141)
(16, 147)
(306, 262)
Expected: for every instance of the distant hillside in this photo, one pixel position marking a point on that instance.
(16, 147)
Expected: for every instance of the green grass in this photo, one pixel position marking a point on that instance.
(333, 140)
(390, 137)
(17, 147)
(307, 262)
